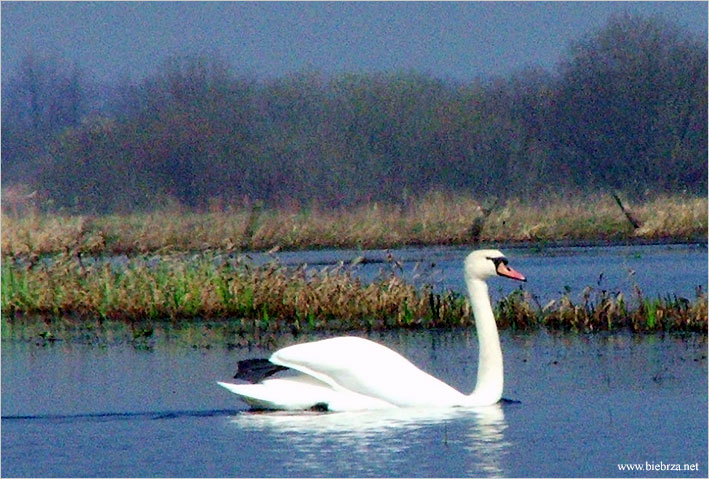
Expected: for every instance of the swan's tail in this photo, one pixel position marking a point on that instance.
(256, 370)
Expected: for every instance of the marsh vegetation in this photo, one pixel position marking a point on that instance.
(436, 219)
(236, 302)
(197, 158)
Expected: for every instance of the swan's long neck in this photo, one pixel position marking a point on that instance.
(488, 389)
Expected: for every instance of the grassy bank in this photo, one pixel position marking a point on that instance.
(255, 302)
(433, 220)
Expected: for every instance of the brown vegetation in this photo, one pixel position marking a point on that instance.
(436, 219)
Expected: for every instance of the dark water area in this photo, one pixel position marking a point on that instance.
(587, 404)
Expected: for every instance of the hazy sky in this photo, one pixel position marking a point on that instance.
(461, 40)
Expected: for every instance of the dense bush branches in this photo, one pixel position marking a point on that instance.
(626, 110)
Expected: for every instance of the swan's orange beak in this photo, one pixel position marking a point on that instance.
(507, 272)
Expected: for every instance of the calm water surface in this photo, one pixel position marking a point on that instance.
(587, 403)
(655, 269)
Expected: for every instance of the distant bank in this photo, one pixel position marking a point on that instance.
(435, 219)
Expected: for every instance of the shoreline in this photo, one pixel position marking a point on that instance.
(48, 273)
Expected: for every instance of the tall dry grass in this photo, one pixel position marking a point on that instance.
(432, 220)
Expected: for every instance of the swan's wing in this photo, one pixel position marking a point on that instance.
(357, 365)
(300, 393)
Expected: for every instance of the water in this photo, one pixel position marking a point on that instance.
(588, 403)
(655, 269)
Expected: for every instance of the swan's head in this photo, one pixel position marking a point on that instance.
(485, 263)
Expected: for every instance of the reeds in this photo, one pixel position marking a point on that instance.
(270, 296)
(251, 302)
(435, 219)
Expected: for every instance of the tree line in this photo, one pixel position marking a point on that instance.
(625, 110)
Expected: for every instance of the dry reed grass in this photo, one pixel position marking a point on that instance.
(433, 220)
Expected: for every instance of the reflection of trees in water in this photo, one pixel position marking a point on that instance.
(410, 441)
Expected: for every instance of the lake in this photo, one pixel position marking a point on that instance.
(581, 404)
(587, 404)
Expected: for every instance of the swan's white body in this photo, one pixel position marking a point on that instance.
(351, 373)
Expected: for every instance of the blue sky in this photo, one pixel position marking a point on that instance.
(459, 40)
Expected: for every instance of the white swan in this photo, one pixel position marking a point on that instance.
(351, 373)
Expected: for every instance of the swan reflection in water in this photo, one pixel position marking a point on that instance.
(404, 441)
